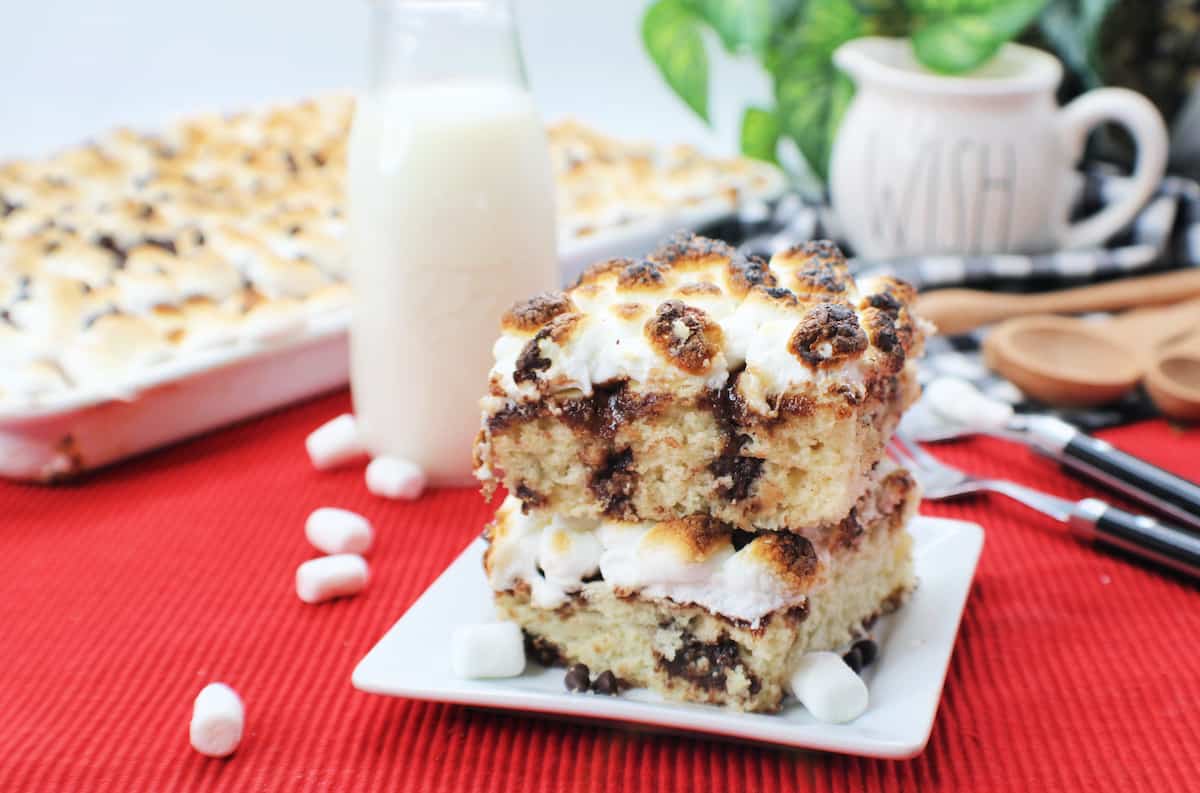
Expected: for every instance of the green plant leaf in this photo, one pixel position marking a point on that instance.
(812, 97)
(877, 6)
(671, 35)
(963, 35)
(952, 7)
(760, 133)
(743, 25)
(1072, 28)
(810, 93)
(819, 28)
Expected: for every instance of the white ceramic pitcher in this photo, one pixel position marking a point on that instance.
(985, 163)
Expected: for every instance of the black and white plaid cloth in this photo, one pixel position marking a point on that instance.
(1164, 235)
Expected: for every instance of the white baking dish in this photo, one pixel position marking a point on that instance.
(81, 430)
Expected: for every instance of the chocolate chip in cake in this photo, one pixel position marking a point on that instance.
(108, 243)
(578, 679)
(530, 498)
(854, 659)
(868, 649)
(606, 684)
(740, 538)
(705, 664)
(736, 475)
(614, 483)
(167, 245)
(543, 652)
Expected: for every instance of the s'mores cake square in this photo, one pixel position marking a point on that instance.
(692, 446)
(701, 381)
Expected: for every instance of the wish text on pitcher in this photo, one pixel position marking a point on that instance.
(975, 179)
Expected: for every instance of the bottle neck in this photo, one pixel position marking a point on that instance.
(425, 41)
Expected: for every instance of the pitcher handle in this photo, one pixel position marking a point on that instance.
(1136, 113)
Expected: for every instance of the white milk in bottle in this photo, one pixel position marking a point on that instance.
(451, 221)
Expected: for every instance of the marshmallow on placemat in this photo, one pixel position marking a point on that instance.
(218, 718)
(828, 687)
(392, 477)
(334, 442)
(490, 649)
(333, 530)
(318, 580)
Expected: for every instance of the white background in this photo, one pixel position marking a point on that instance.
(69, 68)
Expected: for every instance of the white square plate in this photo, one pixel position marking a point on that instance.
(905, 682)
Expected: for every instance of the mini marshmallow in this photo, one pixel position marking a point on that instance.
(332, 530)
(318, 580)
(218, 718)
(392, 477)
(490, 649)
(334, 442)
(958, 400)
(829, 688)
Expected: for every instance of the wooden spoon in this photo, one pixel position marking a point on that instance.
(1076, 363)
(961, 310)
(1173, 379)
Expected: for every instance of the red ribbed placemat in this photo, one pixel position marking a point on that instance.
(123, 595)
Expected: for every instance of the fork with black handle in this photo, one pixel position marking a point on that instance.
(1090, 519)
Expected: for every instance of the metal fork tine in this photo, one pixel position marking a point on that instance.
(901, 456)
(923, 458)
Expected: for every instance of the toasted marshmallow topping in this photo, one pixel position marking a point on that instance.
(691, 560)
(687, 560)
(694, 311)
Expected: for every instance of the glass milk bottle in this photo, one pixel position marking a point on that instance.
(451, 203)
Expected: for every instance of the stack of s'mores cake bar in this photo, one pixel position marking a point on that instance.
(693, 450)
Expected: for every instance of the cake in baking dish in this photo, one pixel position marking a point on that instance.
(222, 230)
(693, 608)
(700, 381)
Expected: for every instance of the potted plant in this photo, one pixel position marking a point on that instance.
(1099, 41)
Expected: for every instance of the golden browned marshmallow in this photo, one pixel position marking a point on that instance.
(692, 540)
(828, 335)
(528, 316)
(789, 557)
(815, 269)
(685, 335)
